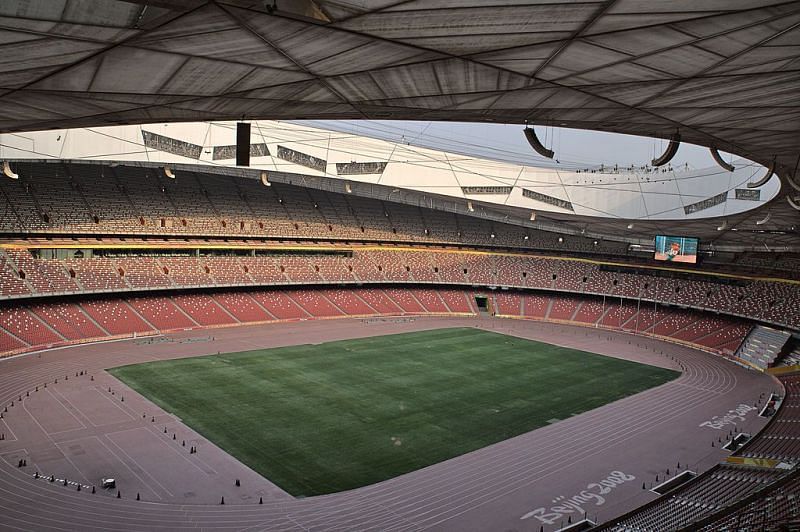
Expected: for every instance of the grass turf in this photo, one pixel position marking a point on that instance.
(324, 418)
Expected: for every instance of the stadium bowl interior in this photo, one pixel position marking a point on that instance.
(217, 315)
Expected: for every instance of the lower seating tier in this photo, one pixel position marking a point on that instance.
(28, 325)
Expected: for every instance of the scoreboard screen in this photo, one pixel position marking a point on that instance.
(676, 249)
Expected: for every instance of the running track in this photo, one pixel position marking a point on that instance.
(489, 489)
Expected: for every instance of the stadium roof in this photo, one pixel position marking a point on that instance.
(723, 73)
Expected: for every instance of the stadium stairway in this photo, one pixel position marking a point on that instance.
(792, 358)
(762, 346)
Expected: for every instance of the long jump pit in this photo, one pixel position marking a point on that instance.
(67, 424)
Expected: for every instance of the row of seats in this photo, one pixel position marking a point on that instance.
(775, 264)
(80, 199)
(21, 273)
(781, 438)
(44, 324)
(719, 334)
(792, 358)
(28, 324)
(710, 493)
(73, 198)
(776, 509)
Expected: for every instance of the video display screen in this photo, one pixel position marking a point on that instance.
(676, 249)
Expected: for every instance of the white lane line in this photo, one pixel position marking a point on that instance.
(144, 471)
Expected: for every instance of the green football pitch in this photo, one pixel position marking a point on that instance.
(324, 418)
